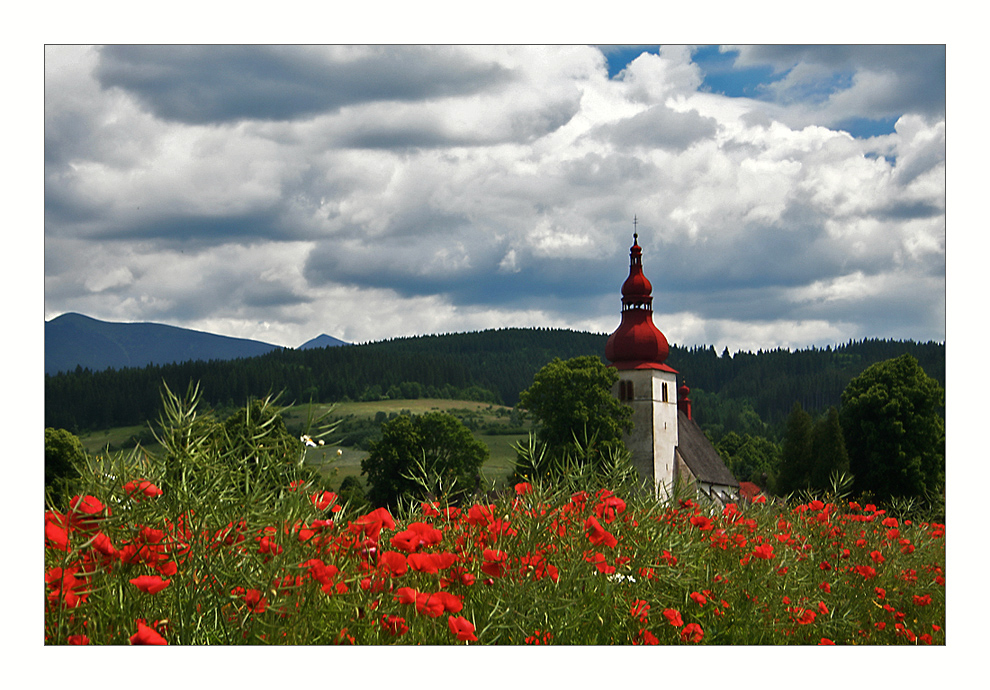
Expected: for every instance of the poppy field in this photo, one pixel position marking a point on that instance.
(215, 555)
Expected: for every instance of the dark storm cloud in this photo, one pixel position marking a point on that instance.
(756, 257)
(660, 127)
(470, 276)
(200, 230)
(212, 84)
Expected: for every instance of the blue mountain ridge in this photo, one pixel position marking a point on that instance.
(73, 340)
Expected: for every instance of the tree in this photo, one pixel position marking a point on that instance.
(573, 399)
(750, 458)
(894, 430)
(63, 451)
(828, 450)
(352, 493)
(435, 447)
(796, 454)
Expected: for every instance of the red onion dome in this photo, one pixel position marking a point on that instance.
(637, 342)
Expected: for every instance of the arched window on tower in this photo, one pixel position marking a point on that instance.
(625, 390)
(663, 391)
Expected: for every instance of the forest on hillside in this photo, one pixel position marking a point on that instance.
(745, 392)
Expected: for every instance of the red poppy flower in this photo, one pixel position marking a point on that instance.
(702, 522)
(764, 551)
(877, 557)
(598, 560)
(430, 604)
(416, 535)
(323, 500)
(539, 637)
(83, 640)
(422, 562)
(922, 600)
(494, 565)
(141, 487)
(146, 635)
(806, 618)
(826, 641)
(150, 584)
(481, 515)
(84, 511)
(371, 525)
(640, 609)
(462, 628)
(252, 598)
(406, 595)
(267, 547)
(443, 560)
(645, 637)
(523, 488)
(866, 571)
(673, 617)
(692, 632)
(609, 508)
(451, 602)
(668, 559)
(102, 544)
(459, 574)
(395, 625)
(597, 534)
(698, 598)
(393, 562)
(56, 536)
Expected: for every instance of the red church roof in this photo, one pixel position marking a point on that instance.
(637, 343)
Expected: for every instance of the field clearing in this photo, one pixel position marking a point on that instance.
(96, 441)
(297, 414)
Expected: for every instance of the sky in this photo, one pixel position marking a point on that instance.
(784, 196)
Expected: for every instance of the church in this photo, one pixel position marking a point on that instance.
(668, 447)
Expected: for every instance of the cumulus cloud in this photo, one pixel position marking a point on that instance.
(370, 192)
(212, 84)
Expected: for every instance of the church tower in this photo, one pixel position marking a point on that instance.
(637, 349)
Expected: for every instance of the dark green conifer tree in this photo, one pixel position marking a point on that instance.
(828, 450)
(796, 457)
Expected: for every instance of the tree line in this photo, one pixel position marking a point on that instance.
(745, 392)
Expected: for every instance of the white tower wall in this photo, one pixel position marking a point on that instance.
(654, 434)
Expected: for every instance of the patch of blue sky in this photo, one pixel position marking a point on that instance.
(864, 128)
(721, 75)
(619, 57)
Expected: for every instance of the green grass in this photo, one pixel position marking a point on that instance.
(96, 441)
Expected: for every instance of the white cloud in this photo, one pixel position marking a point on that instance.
(503, 196)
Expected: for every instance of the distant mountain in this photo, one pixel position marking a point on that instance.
(322, 340)
(75, 340)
